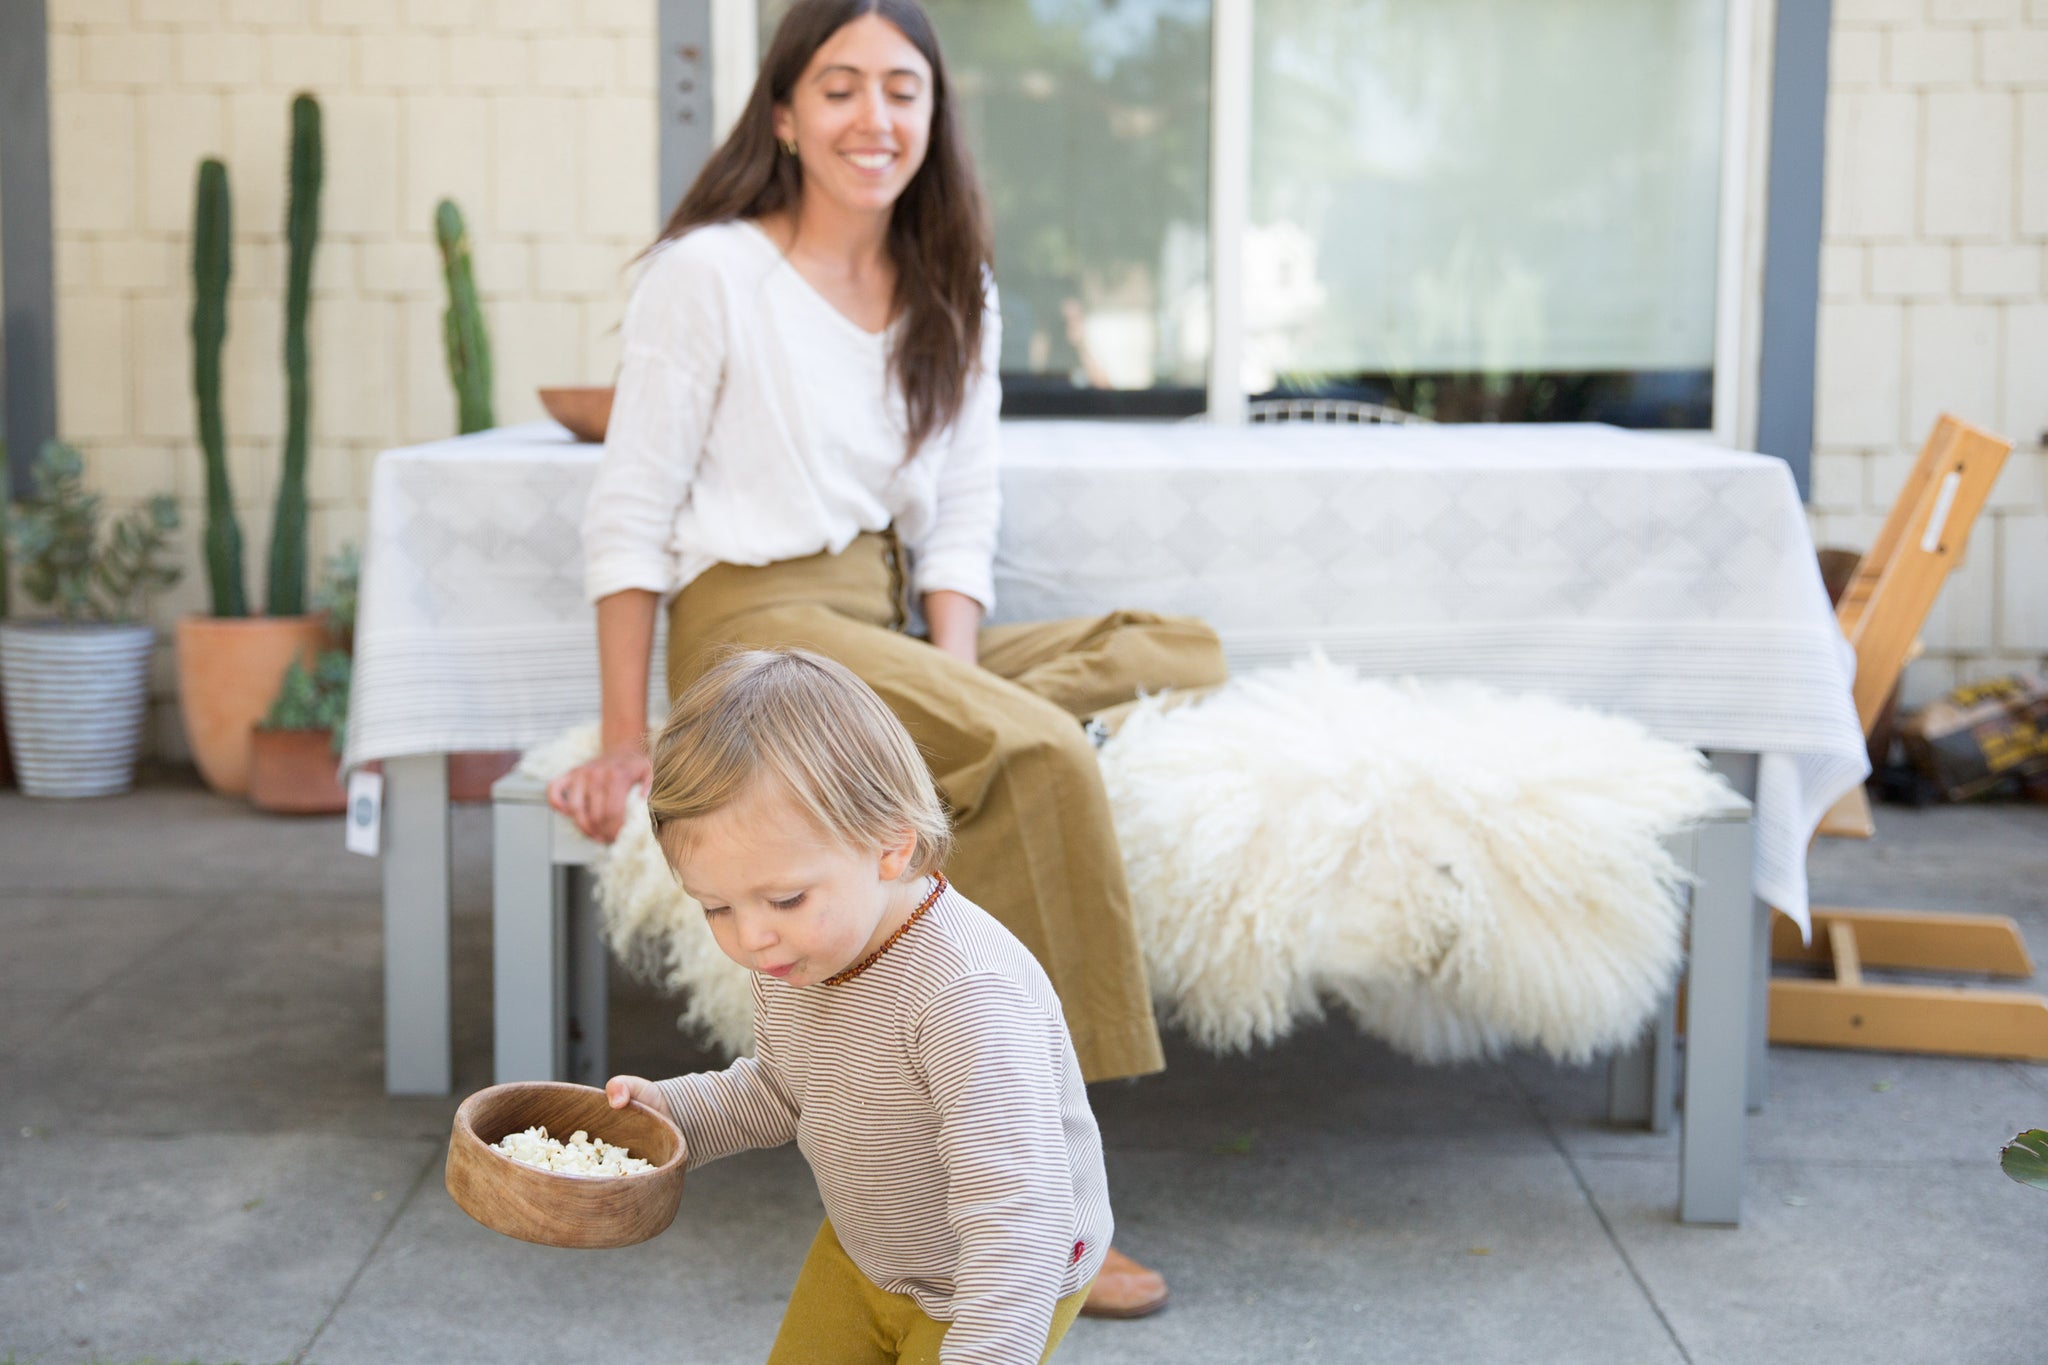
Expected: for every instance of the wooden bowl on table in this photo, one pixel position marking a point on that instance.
(585, 411)
(556, 1208)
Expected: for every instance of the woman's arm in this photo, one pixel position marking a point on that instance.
(625, 646)
(954, 619)
(954, 555)
(594, 794)
(661, 416)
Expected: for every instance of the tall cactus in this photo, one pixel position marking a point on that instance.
(302, 228)
(469, 346)
(212, 264)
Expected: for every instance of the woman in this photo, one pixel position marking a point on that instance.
(803, 437)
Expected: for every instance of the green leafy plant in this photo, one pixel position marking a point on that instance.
(335, 597)
(469, 346)
(65, 563)
(314, 698)
(2025, 1158)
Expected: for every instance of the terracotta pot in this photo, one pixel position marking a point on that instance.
(470, 775)
(229, 669)
(295, 772)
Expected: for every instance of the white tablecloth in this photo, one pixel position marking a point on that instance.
(1659, 577)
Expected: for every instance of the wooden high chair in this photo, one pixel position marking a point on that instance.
(1881, 613)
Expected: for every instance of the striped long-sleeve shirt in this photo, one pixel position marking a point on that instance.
(938, 1101)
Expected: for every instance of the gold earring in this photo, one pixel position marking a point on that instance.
(789, 145)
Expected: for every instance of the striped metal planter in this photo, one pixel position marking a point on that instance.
(76, 698)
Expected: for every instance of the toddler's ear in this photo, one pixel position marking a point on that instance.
(896, 857)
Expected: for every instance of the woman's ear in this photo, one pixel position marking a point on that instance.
(896, 857)
(785, 123)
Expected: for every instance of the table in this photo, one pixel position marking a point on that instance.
(1656, 576)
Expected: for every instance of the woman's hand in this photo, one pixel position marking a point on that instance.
(621, 1090)
(594, 794)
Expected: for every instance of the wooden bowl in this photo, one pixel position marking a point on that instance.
(555, 1208)
(585, 411)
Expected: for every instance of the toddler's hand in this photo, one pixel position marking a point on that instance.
(622, 1089)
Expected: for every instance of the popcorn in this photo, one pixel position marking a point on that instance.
(580, 1155)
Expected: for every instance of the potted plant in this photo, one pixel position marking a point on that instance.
(294, 753)
(77, 687)
(229, 662)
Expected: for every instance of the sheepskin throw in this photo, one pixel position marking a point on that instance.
(1461, 870)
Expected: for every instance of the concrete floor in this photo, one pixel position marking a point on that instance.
(198, 1161)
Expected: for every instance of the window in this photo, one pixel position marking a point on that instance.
(1469, 209)
(1484, 209)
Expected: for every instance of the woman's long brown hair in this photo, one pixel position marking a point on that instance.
(938, 230)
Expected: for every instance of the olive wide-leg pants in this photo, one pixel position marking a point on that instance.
(1033, 840)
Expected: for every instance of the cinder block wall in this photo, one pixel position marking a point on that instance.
(536, 116)
(1934, 284)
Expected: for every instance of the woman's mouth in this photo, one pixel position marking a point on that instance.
(871, 163)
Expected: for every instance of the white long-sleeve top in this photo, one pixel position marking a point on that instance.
(754, 422)
(938, 1100)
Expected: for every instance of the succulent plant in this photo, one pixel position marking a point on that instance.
(2025, 1158)
(63, 560)
(212, 266)
(314, 698)
(469, 346)
(287, 594)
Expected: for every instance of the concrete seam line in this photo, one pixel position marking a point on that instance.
(433, 1156)
(1600, 1214)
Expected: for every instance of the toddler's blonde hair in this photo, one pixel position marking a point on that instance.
(810, 725)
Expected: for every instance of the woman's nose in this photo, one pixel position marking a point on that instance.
(874, 110)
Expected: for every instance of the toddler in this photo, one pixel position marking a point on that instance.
(907, 1042)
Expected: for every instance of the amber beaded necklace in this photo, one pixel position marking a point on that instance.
(938, 885)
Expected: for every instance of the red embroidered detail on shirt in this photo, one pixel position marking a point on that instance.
(1079, 1247)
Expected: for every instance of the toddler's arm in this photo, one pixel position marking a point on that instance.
(720, 1112)
(982, 1047)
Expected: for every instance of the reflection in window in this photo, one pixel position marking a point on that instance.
(1481, 209)
(1089, 124)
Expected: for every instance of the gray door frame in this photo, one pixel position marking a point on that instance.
(1792, 209)
(28, 353)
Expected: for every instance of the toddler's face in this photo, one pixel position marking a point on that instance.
(785, 899)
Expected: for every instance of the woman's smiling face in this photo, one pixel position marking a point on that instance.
(861, 114)
(783, 898)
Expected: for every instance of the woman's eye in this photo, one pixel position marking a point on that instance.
(792, 903)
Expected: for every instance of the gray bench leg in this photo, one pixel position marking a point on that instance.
(1642, 1082)
(1717, 1019)
(526, 1006)
(586, 964)
(418, 1044)
(1741, 772)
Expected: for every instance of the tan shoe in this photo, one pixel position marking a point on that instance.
(1124, 1289)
